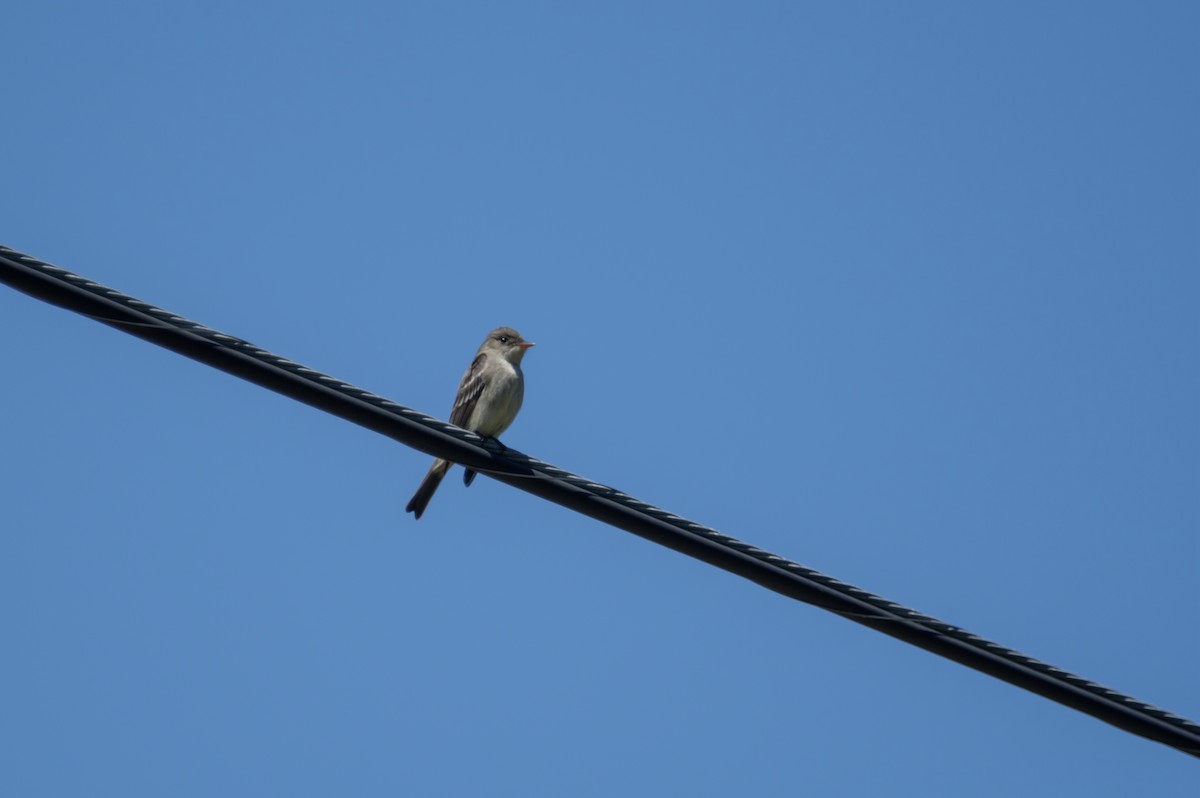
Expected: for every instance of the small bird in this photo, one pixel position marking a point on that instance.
(488, 399)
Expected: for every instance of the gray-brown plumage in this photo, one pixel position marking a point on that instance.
(488, 400)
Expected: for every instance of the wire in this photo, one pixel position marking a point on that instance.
(434, 437)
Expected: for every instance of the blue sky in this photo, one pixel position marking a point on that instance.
(908, 293)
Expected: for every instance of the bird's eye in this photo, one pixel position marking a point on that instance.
(503, 339)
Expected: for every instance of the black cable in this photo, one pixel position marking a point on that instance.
(437, 438)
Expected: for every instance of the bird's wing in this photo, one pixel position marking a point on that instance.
(469, 391)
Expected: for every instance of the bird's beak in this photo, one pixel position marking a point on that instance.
(526, 344)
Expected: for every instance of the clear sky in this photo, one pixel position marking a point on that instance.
(906, 292)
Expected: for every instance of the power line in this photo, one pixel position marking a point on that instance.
(243, 359)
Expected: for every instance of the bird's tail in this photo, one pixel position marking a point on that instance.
(429, 485)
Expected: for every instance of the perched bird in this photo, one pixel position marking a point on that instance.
(488, 399)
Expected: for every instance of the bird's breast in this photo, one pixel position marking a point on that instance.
(499, 404)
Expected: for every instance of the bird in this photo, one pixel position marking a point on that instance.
(489, 397)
